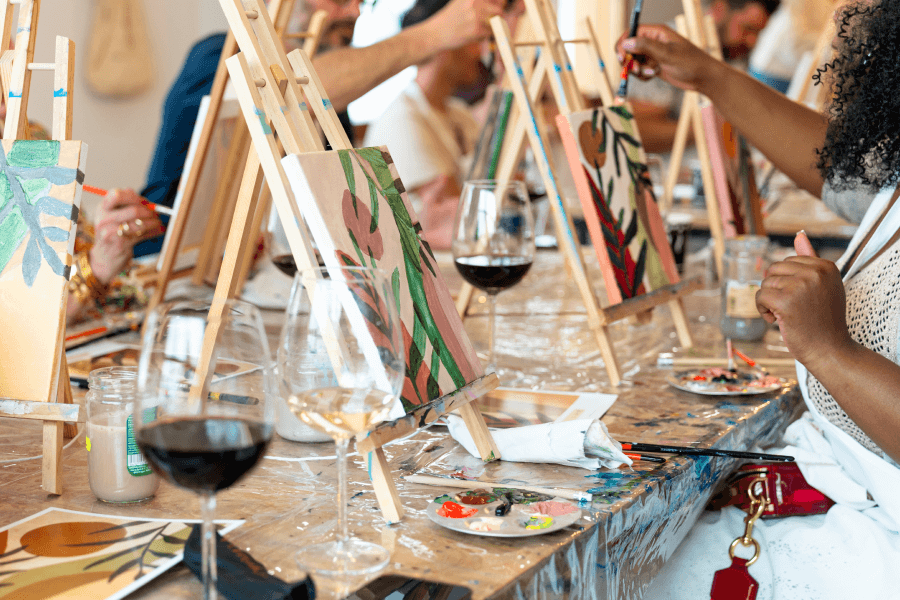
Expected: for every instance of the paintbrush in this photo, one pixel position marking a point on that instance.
(729, 352)
(629, 59)
(467, 484)
(157, 208)
(668, 360)
(692, 451)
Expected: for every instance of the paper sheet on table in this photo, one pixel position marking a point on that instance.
(560, 442)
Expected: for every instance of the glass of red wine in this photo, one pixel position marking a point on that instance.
(493, 240)
(205, 408)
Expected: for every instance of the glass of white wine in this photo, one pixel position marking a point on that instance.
(348, 370)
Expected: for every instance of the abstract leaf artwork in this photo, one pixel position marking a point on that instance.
(40, 191)
(607, 160)
(733, 177)
(61, 553)
(359, 215)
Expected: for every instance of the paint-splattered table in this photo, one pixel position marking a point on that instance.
(635, 522)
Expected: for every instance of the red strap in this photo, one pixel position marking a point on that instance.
(734, 583)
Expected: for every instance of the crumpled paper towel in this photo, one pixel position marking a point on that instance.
(563, 443)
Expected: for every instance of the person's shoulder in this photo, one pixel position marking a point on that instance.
(209, 47)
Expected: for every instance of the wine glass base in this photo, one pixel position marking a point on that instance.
(353, 557)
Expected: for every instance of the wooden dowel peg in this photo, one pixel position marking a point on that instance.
(260, 83)
(252, 14)
(541, 42)
(300, 35)
(302, 80)
(42, 66)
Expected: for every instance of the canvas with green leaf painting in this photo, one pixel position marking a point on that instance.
(59, 553)
(40, 194)
(608, 164)
(359, 215)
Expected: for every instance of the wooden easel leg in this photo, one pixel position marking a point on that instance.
(478, 429)
(260, 212)
(465, 296)
(64, 395)
(51, 465)
(676, 307)
(383, 484)
(677, 153)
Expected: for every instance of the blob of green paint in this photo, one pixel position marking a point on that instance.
(34, 153)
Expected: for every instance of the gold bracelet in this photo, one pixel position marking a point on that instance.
(96, 289)
(78, 288)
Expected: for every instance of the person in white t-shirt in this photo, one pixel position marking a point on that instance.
(431, 133)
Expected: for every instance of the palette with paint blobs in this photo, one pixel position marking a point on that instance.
(502, 512)
(716, 381)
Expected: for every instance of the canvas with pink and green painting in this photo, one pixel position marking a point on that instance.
(608, 164)
(359, 215)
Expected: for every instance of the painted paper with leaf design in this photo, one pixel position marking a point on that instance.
(59, 553)
(604, 152)
(734, 180)
(359, 215)
(40, 195)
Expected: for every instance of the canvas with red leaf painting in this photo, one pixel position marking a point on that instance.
(59, 553)
(604, 152)
(359, 215)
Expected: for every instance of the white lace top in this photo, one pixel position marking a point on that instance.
(873, 318)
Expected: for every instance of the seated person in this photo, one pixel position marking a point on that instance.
(657, 107)
(430, 132)
(844, 334)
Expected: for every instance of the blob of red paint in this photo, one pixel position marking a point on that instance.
(452, 510)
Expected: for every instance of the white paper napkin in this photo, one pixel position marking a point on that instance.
(563, 443)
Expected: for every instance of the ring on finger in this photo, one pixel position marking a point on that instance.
(122, 230)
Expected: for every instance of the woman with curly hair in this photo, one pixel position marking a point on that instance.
(841, 321)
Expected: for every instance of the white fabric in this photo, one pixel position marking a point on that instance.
(563, 443)
(851, 552)
(423, 142)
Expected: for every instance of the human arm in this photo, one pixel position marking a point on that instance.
(805, 296)
(348, 73)
(787, 132)
(111, 252)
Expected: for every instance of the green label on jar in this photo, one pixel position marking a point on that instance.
(135, 461)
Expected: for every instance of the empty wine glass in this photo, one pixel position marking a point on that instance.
(493, 240)
(355, 367)
(204, 412)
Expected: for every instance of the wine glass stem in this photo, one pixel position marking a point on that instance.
(492, 315)
(341, 452)
(208, 501)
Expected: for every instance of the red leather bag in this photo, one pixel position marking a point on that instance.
(785, 490)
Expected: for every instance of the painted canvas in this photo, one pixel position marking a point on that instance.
(359, 215)
(59, 553)
(40, 196)
(733, 176)
(607, 160)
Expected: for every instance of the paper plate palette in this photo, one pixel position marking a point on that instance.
(716, 381)
(476, 512)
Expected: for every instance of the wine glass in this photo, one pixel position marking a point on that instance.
(204, 412)
(278, 248)
(493, 240)
(348, 349)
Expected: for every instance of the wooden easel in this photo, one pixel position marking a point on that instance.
(210, 251)
(701, 31)
(271, 87)
(59, 416)
(554, 64)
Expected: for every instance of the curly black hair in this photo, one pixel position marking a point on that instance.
(862, 142)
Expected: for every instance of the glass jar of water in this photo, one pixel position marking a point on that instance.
(743, 265)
